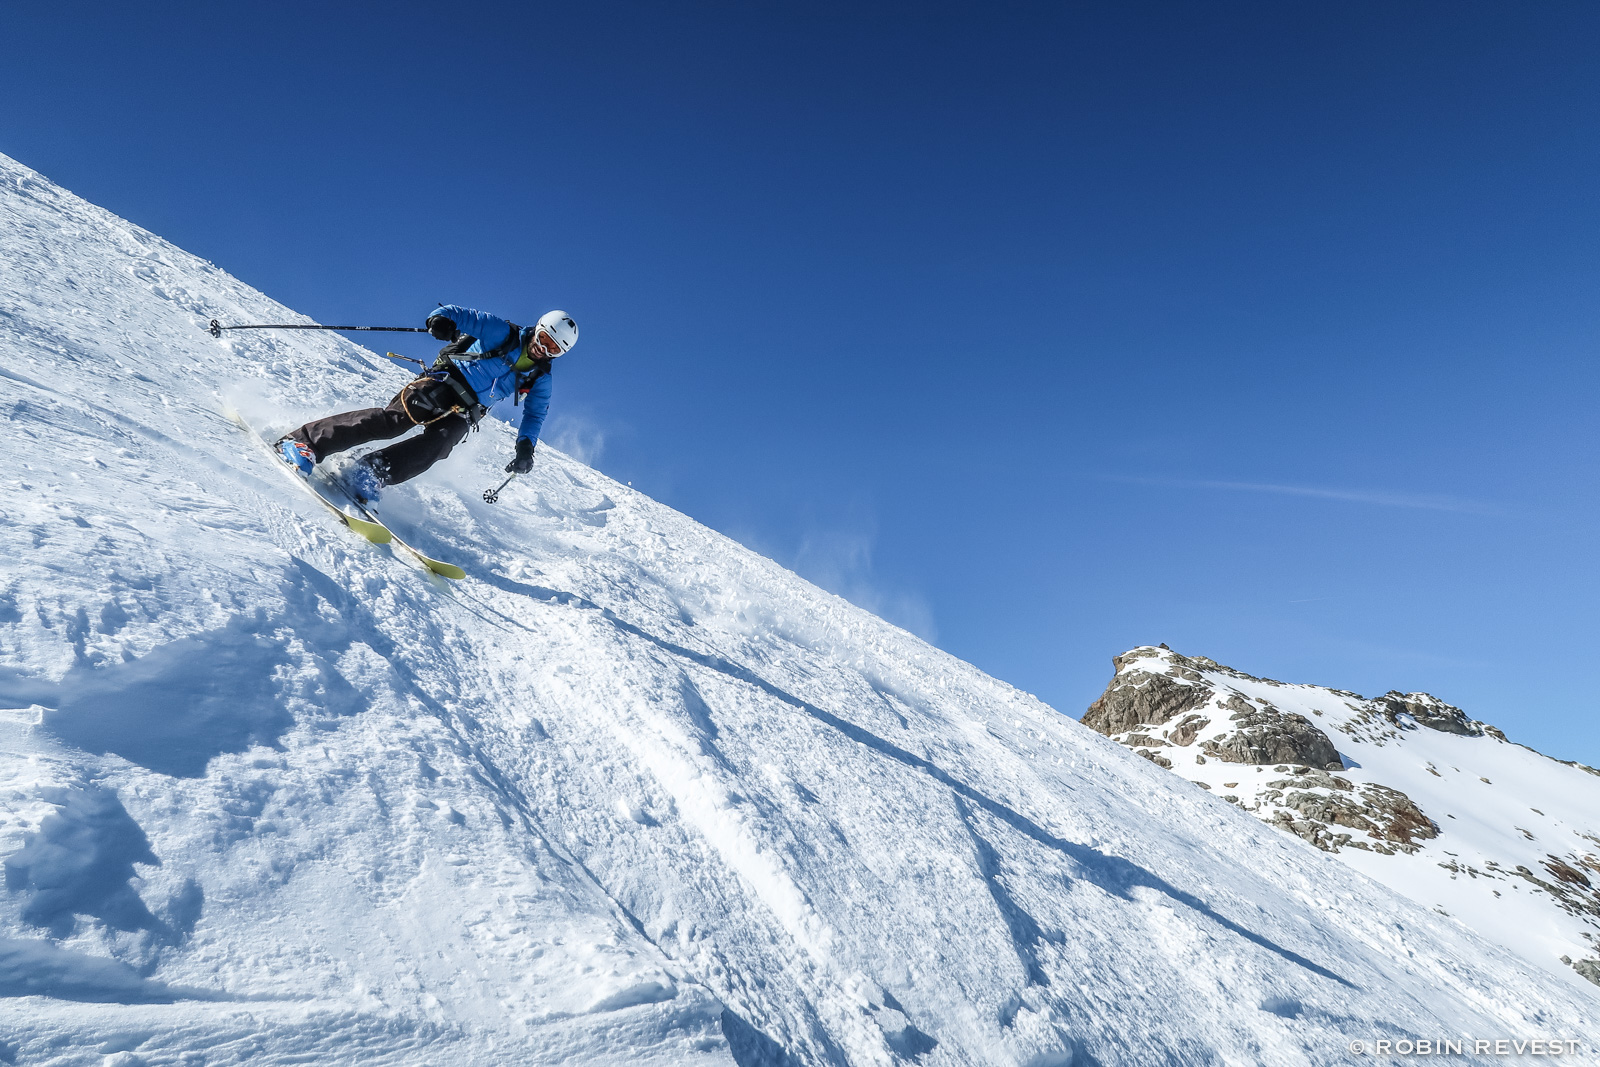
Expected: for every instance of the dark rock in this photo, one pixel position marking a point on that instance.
(1276, 737)
(1307, 777)
(1310, 830)
(1431, 712)
(1332, 810)
(1402, 822)
(1142, 700)
(1244, 712)
(1385, 816)
(1571, 887)
(1186, 730)
(1565, 872)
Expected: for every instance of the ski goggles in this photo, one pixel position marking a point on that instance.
(538, 342)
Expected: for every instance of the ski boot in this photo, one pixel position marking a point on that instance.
(297, 454)
(364, 482)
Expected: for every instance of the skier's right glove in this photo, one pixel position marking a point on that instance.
(524, 461)
(442, 328)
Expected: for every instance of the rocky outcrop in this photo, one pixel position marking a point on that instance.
(1428, 710)
(1160, 703)
(1172, 686)
(1311, 803)
(1395, 713)
(1187, 730)
(1292, 739)
(1143, 700)
(1340, 770)
(1265, 735)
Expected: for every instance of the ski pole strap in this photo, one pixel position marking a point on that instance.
(216, 327)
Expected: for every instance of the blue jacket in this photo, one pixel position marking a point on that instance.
(496, 378)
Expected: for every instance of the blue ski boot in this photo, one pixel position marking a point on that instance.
(363, 482)
(297, 454)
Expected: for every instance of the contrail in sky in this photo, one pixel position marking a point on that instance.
(1422, 501)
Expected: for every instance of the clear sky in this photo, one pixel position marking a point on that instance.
(1266, 330)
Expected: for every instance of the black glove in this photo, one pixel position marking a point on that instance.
(442, 328)
(524, 461)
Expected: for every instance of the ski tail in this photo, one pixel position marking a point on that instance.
(377, 533)
(365, 508)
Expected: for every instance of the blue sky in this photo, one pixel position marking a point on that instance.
(1262, 329)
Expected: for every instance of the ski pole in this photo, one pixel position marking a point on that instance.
(216, 327)
(491, 495)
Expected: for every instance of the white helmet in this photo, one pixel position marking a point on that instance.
(562, 330)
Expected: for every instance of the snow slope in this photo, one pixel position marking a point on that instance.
(630, 793)
(1509, 840)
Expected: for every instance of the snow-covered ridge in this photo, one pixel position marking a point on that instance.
(1404, 787)
(628, 794)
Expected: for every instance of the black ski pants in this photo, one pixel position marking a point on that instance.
(425, 402)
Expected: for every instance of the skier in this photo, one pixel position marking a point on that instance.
(485, 360)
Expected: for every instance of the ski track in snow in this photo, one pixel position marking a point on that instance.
(629, 793)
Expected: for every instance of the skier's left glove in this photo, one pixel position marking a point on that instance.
(524, 461)
(442, 328)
